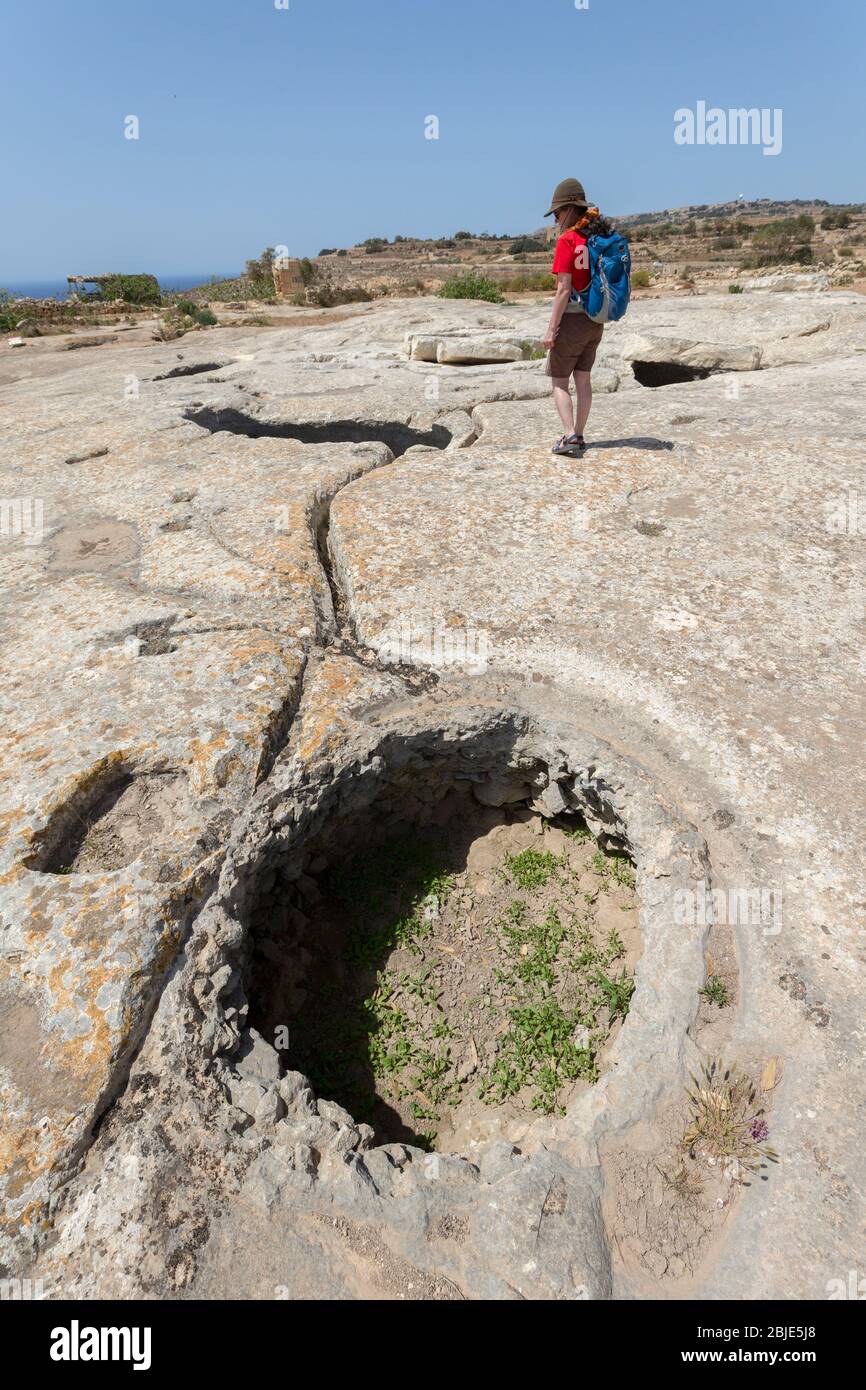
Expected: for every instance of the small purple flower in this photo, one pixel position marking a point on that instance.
(759, 1130)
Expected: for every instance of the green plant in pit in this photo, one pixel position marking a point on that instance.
(725, 1123)
(560, 981)
(615, 866)
(534, 949)
(531, 868)
(441, 1029)
(548, 1043)
(586, 953)
(417, 985)
(617, 994)
(516, 912)
(539, 1049)
(615, 944)
(578, 833)
(715, 991)
(390, 1049)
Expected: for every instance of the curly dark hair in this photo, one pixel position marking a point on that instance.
(596, 226)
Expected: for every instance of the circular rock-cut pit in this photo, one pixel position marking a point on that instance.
(445, 970)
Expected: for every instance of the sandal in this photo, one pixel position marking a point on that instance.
(569, 444)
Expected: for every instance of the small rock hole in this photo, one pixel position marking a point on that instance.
(666, 373)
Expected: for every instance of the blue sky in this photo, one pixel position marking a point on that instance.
(304, 126)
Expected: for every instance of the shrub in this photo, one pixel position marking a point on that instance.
(470, 287)
(463, 236)
(530, 351)
(134, 289)
(342, 251)
(8, 316)
(833, 220)
(172, 326)
(725, 243)
(306, 270)
(261, 271)
(186, 306)
(846, 250)
(374, 244)
(799, 255)
(206, 318)
(326, 296)
(524, 244)
(241, 288)
(783, 241)
(800, 228)
(735, 289)
(641, 279)
(328, 251)
(535, 280)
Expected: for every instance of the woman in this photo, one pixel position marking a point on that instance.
(572, 338)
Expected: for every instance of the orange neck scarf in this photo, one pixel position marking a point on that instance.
(587, 217)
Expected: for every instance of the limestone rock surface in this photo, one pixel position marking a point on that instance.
(209, 549)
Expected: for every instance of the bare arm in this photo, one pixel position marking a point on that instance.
(560, 299)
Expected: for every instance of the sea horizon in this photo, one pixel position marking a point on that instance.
(55, 287)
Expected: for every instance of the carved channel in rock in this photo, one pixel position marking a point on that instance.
(398, 436)
(193, 369)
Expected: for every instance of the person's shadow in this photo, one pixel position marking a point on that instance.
(641, 442)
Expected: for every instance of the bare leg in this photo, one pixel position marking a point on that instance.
(583, 404)
(562, 401)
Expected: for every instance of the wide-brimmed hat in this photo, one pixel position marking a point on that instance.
(567, 194)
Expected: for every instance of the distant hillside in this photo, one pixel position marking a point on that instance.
(709, 245)
(759, 207)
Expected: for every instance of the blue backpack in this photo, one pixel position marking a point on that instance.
(606, 297)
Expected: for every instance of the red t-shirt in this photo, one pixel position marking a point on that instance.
(572, 258)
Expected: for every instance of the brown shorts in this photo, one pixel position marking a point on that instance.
(574, 346)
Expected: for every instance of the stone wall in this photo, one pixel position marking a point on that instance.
(57, 309)
(287, 278)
